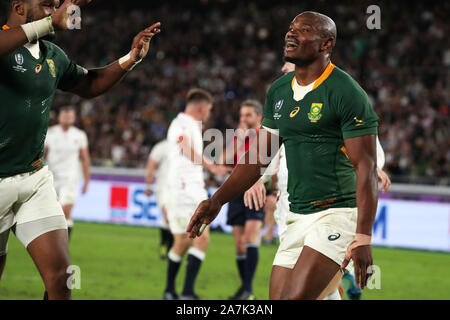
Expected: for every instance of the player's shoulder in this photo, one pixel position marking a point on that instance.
(53, 48)
(343, 83)
(283, 81)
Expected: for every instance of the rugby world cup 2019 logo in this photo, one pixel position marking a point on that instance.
(315, 113)
(51, 67)
(277, 108)
(19, 59)
(278, 105)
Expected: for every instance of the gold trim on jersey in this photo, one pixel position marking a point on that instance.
(325, 74)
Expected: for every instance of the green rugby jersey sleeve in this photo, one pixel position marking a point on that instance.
(356, 113)
(71, 73)
(268, 111)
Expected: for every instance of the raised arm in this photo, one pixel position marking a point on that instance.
(14, 37)
(98, 81)
(246, 173)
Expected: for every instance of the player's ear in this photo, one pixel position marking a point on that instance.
(327, 44)
(18, 7)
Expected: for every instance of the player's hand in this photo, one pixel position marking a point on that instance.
(255, 196)
(220, 170)
(384, 179)
(360, 251)
(206, 212)
(141, 43)
(85, 188)
(62, 18)
(148, 192)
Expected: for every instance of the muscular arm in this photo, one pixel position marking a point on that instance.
(246, 174)
(15, 37)
(11, 40)
(98, 81)
(362, 154)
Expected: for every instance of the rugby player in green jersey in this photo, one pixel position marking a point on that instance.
(328, 128)
(31, 71)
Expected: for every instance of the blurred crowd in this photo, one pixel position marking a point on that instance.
(234, 49)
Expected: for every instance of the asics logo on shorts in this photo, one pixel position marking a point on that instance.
(333, 237)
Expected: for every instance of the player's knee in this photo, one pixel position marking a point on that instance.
(56, 280)
(250, 238)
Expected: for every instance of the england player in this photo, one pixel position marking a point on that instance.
(31, 72)
(186, 189)
(246, 221)
(328, 128)
(65, 151)
(156, 171)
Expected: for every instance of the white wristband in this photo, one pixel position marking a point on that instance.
(127, 58)
(38, 29)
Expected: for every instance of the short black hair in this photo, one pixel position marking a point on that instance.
(197, 95)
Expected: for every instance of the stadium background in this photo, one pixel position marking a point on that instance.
(234, 49)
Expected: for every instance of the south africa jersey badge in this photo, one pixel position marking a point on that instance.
(52, 68)
(315, 113)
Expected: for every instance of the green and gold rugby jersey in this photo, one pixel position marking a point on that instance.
(27, 88)
(313, 129)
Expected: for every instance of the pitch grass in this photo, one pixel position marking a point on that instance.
(121, 262)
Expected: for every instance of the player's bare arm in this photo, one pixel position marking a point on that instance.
(242, 178)
(85, 167)
(152, 165)
(52, 17)
(188, 151)
(98, 81)
(362, 154)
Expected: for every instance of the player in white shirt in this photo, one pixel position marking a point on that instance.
(186, 189)
(157, 168)
(66, 149)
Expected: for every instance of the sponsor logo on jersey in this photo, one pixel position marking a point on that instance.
(315, 113)
(294, 112)
(359, 122)
(38, 68)
(19, 59)
(51, 66)
(333, 237)
(278, 105)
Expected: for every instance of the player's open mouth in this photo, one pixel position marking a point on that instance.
(290, 46)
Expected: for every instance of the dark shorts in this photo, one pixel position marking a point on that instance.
(238, 213)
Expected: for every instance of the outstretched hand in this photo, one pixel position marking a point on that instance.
(206, 212)
(141, 43)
